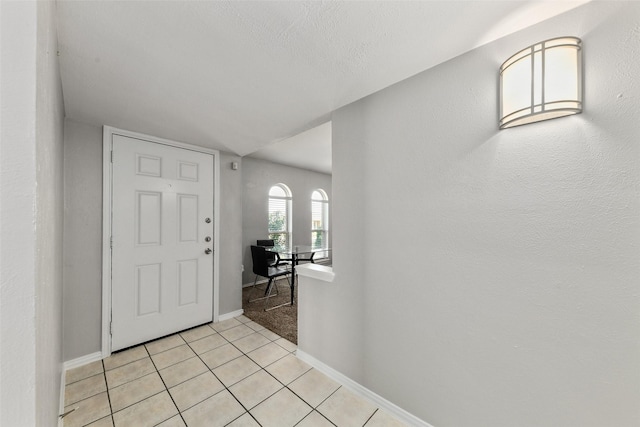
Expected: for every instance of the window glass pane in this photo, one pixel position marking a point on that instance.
(279, 212)
(277, 191)
(317, 239)
(317, 219)
(319, 195)
(277, 215)
(279, 239)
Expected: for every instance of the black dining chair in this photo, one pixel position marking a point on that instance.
(273, 257)
(261, 267)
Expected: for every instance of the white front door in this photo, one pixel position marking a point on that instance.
(162, 228)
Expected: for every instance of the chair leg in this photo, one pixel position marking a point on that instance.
(266, 290)
(268, 293)
(278, 306)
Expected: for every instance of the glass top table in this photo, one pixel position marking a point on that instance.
(295, 254)
(295, 250)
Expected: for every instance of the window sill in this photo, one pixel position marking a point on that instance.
(315, 271)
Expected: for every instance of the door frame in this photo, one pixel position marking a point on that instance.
(107, 203)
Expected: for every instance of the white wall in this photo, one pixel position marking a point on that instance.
(509, 291)
(18, 32)
(258, 176)
(83, 239)
(49, 217)
(230, 235)
(30, 215)
(330, 317)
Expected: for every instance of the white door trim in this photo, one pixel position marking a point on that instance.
(107, 200)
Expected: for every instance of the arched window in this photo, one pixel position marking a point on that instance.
(319, 219)
(280, 215)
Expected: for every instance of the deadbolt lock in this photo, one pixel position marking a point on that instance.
(207, 220)
(207, 239)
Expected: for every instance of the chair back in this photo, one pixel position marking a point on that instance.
(271, 257)
(260, 261)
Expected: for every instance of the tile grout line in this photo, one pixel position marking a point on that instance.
(284, 386)
(165, 387)
(369, 419)
(85, 397)
(227, 388)
(106, 384)
(162, 379)
(124, 364)
(82, 379)
(148, 397)
(223, 384)
(314, 408)
(263, 368)
(309, 414)
(181, 382)
(135, 403)
(65, 404)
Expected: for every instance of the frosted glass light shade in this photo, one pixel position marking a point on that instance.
(541, 82)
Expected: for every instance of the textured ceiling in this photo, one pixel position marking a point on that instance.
(239, 75)
(310, 149)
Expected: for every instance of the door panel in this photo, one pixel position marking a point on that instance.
(187, 217)
(148, 289)
(162, 279)
(188, 282)
(148, 217)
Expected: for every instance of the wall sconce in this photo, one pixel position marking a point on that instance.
(541, 82)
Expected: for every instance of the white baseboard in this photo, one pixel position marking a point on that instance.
(71, 364)
(80, 361)
(259, 282)
(231, 315)
(362, 391)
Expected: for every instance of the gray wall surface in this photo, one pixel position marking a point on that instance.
(83, 239)
(330, 316)
(230, 235)
(512, 298)
(31, 163)
(258, 176)
(49, 218)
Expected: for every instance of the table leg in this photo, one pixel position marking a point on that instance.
(294, 262)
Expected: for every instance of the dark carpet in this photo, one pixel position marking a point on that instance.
(284, 320)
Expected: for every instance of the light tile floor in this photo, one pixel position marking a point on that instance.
(231, 373)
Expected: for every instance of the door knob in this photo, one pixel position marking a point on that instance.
(207, 239)
(207, 220)
(207, 251)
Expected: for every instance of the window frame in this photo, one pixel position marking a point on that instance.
(324, 204)
(288, 199)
